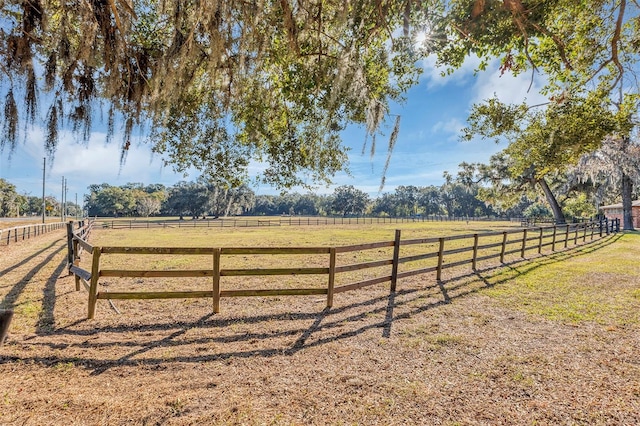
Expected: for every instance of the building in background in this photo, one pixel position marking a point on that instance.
(614, 211)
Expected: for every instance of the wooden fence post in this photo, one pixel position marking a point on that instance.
(396, 256)
(524, 242)
(76, 262)
(566, 236)
(553, 241)
(504, 246)
(440, 250)
(216, 280)
(93, 285)
(69, 246)
(584, 233)
(332, 276)
(475, 251)
(540, 241)
(600, 226)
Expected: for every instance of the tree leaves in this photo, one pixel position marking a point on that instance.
(281, 79)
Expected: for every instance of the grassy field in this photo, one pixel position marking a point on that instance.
(550, 340)
(287, 236)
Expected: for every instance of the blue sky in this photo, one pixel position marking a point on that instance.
(428, 143)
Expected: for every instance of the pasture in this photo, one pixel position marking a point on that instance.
(550, 340)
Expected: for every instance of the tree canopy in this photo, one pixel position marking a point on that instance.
(215, 83)
(586, 51)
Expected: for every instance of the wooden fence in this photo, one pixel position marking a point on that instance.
(469, 250)
(20, 233)
(257, 221)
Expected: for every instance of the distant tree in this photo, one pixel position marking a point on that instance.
(107, 200)
(187, 198)
(133, 186)
(34, 205)
(385, 205)
(239, 200)
(94, 206)
(117, 201)
(155, 188)
(148, 205)
(347, 200)
(461, 198)
(9, 199)
(265, 205)
(73, 210)
(430, 200)
(407, 200)
(286, 203)
(52, 206)
(148, 199)
(324, 203)
(307, 204)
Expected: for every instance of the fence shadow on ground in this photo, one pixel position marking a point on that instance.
(46, 318)
(10, 299)
(29, 258)
(138, 344)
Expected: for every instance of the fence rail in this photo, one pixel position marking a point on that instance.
(472, 248)
(25, 232)
(254, 221)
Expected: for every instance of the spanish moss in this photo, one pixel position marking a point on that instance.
(10, 126)
(392, 143)
(52, 131)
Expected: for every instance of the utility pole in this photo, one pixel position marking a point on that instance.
(66, 200)
(44, 203)
(62, 202)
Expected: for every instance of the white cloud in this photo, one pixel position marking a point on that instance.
(506, 87)
(84, 164)
(433, 74)
(451, 127)
(509, 88)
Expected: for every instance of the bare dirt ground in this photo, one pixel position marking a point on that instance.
(428, 354)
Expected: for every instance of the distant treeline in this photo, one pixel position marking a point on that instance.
(13, 204)
(197, 199)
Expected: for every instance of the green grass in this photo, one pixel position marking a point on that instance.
(598, 285)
